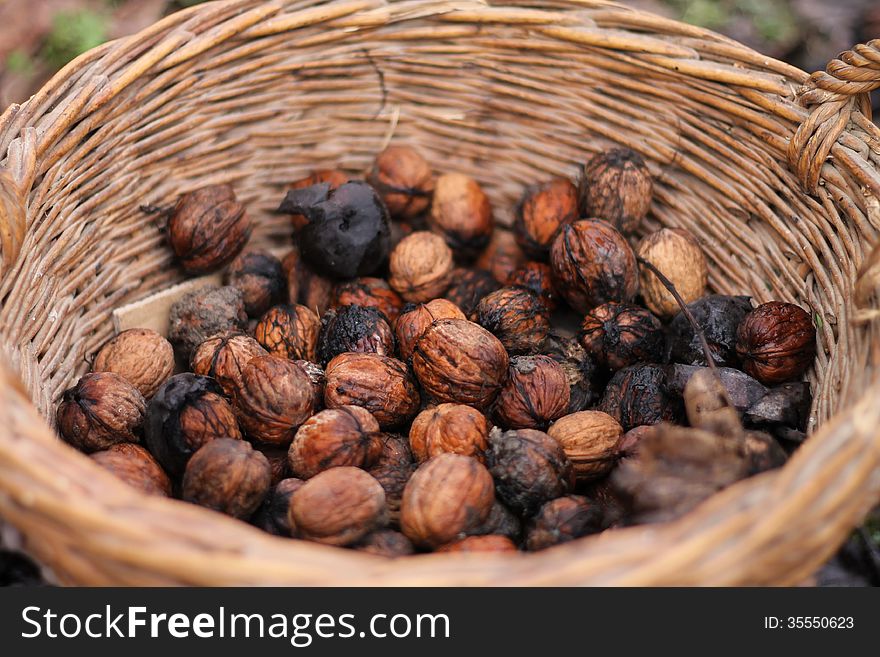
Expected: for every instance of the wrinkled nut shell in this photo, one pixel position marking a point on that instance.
(502, 257)
(448, 497)
(453, 428)
(420, 266)
(677, 254)
(369, 293)
(412, 323)
(345, 436)
(776, 342)
(224, 356)
(616, 186)
(259, 276)
(136, 467)
(516, 317)
(289, 332)
(561, 520)
(141, 356)
(386, 543)
(591, 441)
(461, 213)
(536, 393)
(404, 180)
(338, 507)
(543, 210)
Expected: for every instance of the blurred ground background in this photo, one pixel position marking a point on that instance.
(37, 37)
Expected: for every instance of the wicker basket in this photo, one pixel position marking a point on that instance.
(776, 172)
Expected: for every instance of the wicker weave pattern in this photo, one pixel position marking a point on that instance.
(255, 93)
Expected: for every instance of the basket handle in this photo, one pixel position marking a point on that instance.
(833, 95)
(16, 179)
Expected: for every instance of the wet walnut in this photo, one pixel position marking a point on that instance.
(719, 317)
(339, 506)
(101, 410)
(616, 186)
(678, 256)
(274, 399)
(260, 278)
(354, 329)
(386, 543)
(228, 476)
(638, 395)
(370, 293)
(485, 543)
(580, 370)
(537, 277)
(289, 332)
(208, 228)
(203, 313)
(140, 356)
(333, 177)
(274, 516)
(529, 468)
(404, 181)
(591, 440)
(621, 334)
(136, 467)
(502, 257)
(318, 380)
(592, 264)
(415, 319)
(224, 356)
(347, 435)
(188, 411)
(453, 428)
(446, 499)
(535, 394)
(458, 361)
(543, 210)
(516, 317)
(561, 520)
(469, 286)
(420, 266)
(462, 214)
(382, 385)
(776, 342)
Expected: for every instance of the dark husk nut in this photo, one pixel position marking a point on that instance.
(537, 277)
(638, 395)
(347, 231)
(620, 334)
(208, 228)
(260, 278)
(204, 313)
(485, 543)
(333, 177)
(347, 435)
(616, 186)
(543, 210)
(318, 380)
(516, 317)
(719, 317)
(421, 267)
(415, 320)
(101, 410)
(561, 520)
(502, 256)
(462, 214)
(404, 181)
(275, 398)
(141, 356)
(354, 329)
(469, 286)
(339, 506)
(136, 467)
(447, 498)
(274, 516)
(592, 264)
(228, 476)
(461, 362)
(776, 342)
(382, 385)
(224, 356)
(580, 370)
(386, 543)
(289, 332)
(453, 428)
(536, 393)
(529, 469)
(371, 293)
(186, 413)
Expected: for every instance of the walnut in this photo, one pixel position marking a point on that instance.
(776, 342)
(386, 543)
(620, 334)
(502, 256)
(447, 498)
(462, 214)
(202, 314)
(370, 293)
(393, 478)
(354, 329)
(638, 395)
(420, 266)
(141, 356)
(537, 277)
(616, 186)
(718, 316)
(458, 361)
(678, 256)
(561, 520)
(469, 286)
(516, 317)
(224, 356)
(453, 428)
(347, 435)
(260, 278)
(415, 319)
(382, 385)
(101, 410)
(404, 181)
(542, 212)
(535, 394)
(136, 467)
(318, 380)
(591, 440)
(274, 516)
(289, 332)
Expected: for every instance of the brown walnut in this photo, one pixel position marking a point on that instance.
(289, 332)
(141, 356)
(616, 186)
(347, 435)
(678, 256)
(516, 317)
(776, 342)
(274, 516)
(543, 210)
(386, 543)
(415, 319)
(260, 278)
(537, 277)
(638, 395)
(224, 356)
(591, 440)
(371, 293)
(101, 410)
(561, 520)
(620, 334)
(469, 286)
(462, 214)
(202, 314)
(485, 543)
(502, 256)
(420, 266)
(136, 467)
(453, 428)
(354, 329)
(536, 393)
(404, 181)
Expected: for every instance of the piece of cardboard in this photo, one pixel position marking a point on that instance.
(152, 312)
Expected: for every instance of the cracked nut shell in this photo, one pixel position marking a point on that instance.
(141, 356)
(102, 409)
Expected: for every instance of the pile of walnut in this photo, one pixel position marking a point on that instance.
(402, 380)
